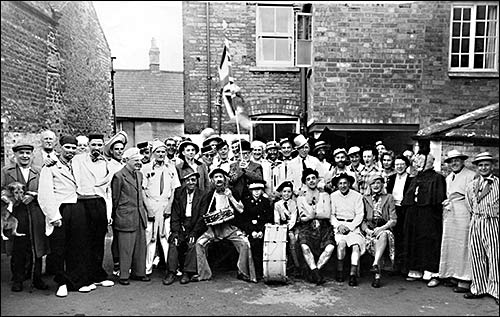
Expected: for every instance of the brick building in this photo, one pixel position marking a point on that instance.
(150, 102)
(56, 67)
(364, 70)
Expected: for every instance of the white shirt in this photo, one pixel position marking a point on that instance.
(399, 187)
(26, 172)
(189, 205)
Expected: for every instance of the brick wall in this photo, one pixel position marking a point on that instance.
(55, 68)
(263, 92)
(387, 63)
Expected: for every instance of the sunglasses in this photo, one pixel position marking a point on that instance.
(210, 155)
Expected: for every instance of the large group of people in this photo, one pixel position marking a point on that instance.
(173, 198)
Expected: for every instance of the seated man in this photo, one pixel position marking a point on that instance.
(380, 218)
(186, 225)
(347, 215)
(220, 198)
(315, 231)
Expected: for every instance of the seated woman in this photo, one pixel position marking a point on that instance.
(380, 217)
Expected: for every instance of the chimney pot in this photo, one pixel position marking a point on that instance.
(154, 56)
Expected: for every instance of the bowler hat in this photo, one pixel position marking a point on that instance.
(97, 136)
(455, 154)
(218, 170)
(220, 145)
(183, 145)
(245, 146)
(207, 149)
(485, 156)
(143, 145)
(68, 139)
(211, 138)
(300, 141)
(309, 171)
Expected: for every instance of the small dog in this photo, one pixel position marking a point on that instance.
(11, 197)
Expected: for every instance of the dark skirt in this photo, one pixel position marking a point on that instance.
(316, 238)
(423, 229)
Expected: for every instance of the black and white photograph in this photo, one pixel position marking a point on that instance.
(261, 158)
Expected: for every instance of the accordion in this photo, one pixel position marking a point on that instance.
(218, 216)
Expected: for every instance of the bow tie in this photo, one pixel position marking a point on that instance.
(95, 159)
(224, 162)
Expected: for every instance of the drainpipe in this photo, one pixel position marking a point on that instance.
(303, 99)
(209, 77)
(113, 94)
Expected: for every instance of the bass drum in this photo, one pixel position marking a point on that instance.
(274, 256)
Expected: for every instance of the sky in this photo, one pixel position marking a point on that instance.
(129, 27)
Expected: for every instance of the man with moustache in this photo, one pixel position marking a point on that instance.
(221, 198)
(129, 218)
(92, 175)
(66, 222)
(340, 159)
(160, 181)
(31, 220)
(270, 171)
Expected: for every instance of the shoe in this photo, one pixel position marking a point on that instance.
(17, 287)
(469, 295)
(179, 273)
(353, 281)
(195, 278)
(185, 278)
(460, 290)
(40, 284)
(243, 277)
(413, 279)
(84, 289)
(449, 283)
(433, 282)
(317, 278)
(140, 278)
(156, 260)
(376, 283)
(92, 287)
(105, 283)
(169, 279)
(116, 272)
(124, 281)
(62, 291)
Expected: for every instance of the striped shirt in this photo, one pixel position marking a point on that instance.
(488, 205)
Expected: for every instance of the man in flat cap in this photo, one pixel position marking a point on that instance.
(482, 197)
(454, 263)
(159, 183)
(129, 218)
(31, 220)
(221, 218)
(187, 225)
(223, 160)
(92, 176)
(66, 222)
(145, 151)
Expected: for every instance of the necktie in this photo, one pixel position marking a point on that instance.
(453, 177)
(486, 189)
(161, 183)
(286, 205)
(286, 169)
(304, 164)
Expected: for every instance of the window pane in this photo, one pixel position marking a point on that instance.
(282, 50)
(490, 61)
(491, 28)
(456, 29)
(465, 46)
(492, 12)
(454, 60)
(481, 12)
(479, 46)
(283, 129)
(464, 60)
(478, 61)
(282, 20)
(263, 131)
(266, 19)
(268, 49)
(457, 14)
(480, 29)
(466, 29)
(466, 15)
(455, 45)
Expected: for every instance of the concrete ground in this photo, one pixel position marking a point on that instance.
(225, 295)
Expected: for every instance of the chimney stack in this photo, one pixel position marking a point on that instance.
(154, 57)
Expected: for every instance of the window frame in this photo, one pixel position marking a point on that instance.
(290, 36)
(274, 119)
(470, 70)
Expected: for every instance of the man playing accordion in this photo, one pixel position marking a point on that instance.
(220, 219)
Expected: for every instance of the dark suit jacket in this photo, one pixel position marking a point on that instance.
(392, 180)
(129, 211)
(239, 178)
(388, 210)
(13, 174)
(258, 211)
(184, 169)
(196, 226)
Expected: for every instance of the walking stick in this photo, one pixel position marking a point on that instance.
(33, 257)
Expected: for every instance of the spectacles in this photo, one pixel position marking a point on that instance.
(169, 145)
(144, 151)
(96, 144)
(210, 155)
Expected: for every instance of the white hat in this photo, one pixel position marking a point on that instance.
(121, 136)
(156, 144)
(454, 154)
(337, 151)
(485, 156)
(300, 141)
(257, 144)
(132, 154)
(354, 149)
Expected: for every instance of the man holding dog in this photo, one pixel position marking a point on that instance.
(31, 221)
